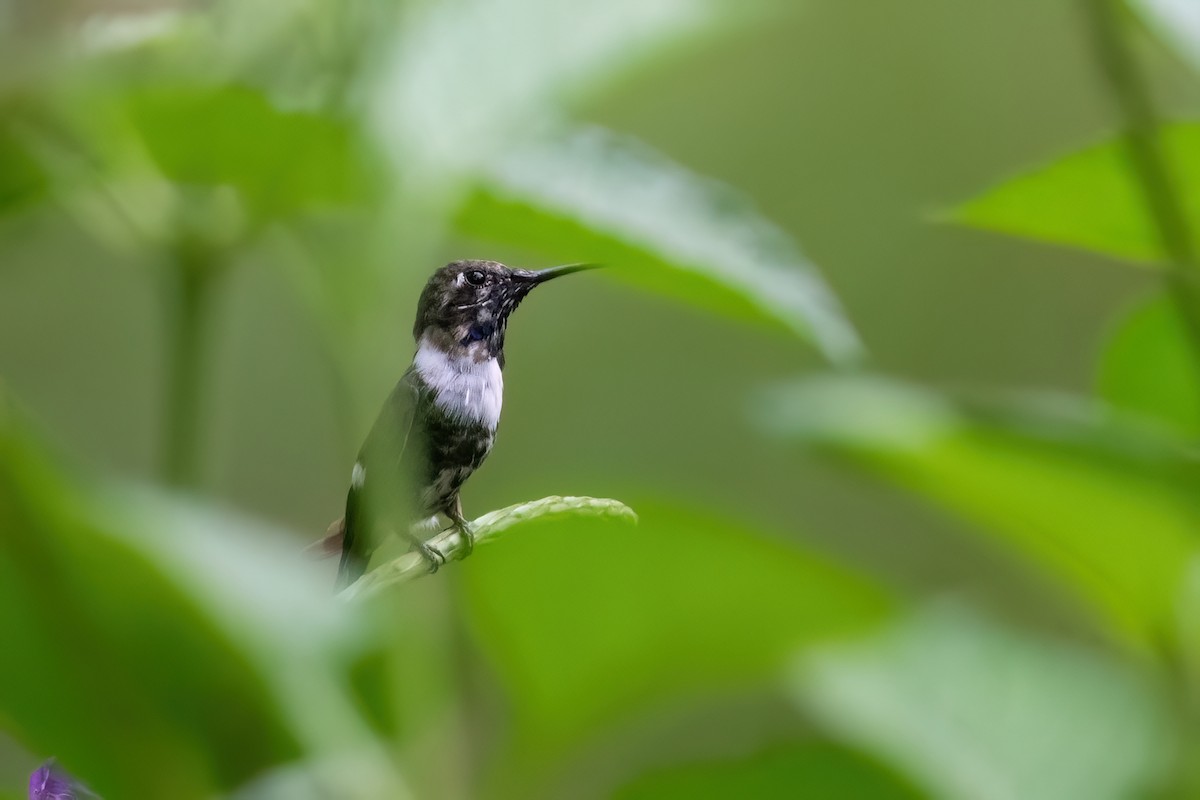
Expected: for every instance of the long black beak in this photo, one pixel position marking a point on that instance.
(543, 275)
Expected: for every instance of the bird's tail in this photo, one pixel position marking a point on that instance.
(354, 556)
(351, 568)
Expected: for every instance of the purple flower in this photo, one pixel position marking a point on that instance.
(48, 782)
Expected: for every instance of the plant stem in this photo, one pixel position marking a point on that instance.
(1152, 170)
(452, 547)
(1150, 163)
(192, 273)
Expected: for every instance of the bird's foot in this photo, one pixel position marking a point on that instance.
(432, 557)
(468, 536)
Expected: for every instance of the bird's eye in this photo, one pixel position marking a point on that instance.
(475, 277)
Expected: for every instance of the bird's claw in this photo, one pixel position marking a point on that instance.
(432, 557)
(468, 537)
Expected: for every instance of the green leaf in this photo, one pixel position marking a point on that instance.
(1178, 22)
(589, 623)
(453, 94)
(22, 179)
(596, 196)
(279, 161)
(802, 769)
(1110, 513)
(161, 650)
(975, 712)
(79, 611)
(1090, 199)
(1148, 368)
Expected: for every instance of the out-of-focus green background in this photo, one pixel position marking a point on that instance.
(905, 653)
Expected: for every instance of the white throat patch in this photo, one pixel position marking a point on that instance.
(463, 388)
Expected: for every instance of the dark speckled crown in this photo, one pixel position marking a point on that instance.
(466, 304)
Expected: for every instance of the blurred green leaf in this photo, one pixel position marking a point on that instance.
(279, 161)
(159, 650)
(599, 197)
(819, 770)
(455, 93)
(975, 712)
(1177, 21)
(108, 665)
(21, 178)
(1148, 367)
(589, 623)
(1089, 199)
(1111, 513)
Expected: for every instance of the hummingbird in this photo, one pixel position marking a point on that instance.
(439, 422)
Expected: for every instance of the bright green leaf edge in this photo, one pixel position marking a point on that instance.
(1090, 199)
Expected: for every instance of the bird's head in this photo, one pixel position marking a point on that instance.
(466, 304)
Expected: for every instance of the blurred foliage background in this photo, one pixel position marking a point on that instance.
(896, 358)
